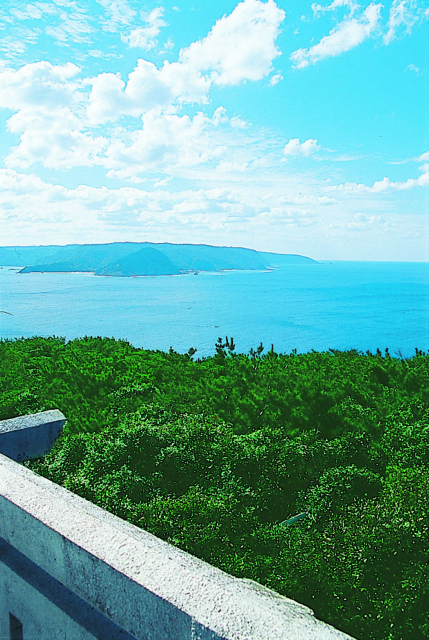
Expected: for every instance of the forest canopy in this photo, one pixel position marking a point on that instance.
(219, 455)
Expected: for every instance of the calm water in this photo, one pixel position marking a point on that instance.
(339, 305)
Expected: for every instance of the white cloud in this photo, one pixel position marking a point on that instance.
(275, 79)
(55, 110)
(414, 69)
(145, 90)
(385, 185)
(31, 12)
(53, 138)
(228, 55)
(311, 199)
(188, 85)
(196, 173)
(168, 143)
(47, 101)
(73, 27)
(363, 222)
(57, 138)
(238, 123)
(294, 148)
(353, 6)
(39, 84)
(66, 21)
(240, 46)
(388, 185)
(19, 183)
(146, 37)
(345, 36)
(13, 46)
(119, 13)
(231, 167)
(403, 13)
(75, 214)
(168, 44)
(107, 100)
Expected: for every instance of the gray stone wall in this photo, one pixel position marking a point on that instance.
(30, 436)
(70, 570)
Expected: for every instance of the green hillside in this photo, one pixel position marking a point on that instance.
(218, 456)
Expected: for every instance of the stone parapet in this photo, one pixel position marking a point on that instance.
(69, 569)
(30, 436)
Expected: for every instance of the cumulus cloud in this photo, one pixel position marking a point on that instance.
(345, 36)
(38, 84)
(47, 100)
(54, 139)
(188, 85)
(168, 143)
(145, 90)
(165, 143)
(56, 112)
(240, 46)
(294, 148)
(146, 37)
(148, 88)
(386, 184)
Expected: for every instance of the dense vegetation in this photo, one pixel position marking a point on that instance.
(215, 455)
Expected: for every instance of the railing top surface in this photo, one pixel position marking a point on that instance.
(53, 527)
(31, 420)
(233, 608)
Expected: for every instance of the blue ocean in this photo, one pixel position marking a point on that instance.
(320, 306)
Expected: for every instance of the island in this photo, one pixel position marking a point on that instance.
(128, 259)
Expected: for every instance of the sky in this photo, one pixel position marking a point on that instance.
(292, 127)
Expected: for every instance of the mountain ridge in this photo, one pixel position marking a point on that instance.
(140, 258)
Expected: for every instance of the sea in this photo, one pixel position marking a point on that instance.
(311, 306)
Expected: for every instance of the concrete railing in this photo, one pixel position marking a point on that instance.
(30, 436)
(69, 569)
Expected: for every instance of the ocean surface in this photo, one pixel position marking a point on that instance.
(320, 306)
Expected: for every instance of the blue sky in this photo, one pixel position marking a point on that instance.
(295, 127)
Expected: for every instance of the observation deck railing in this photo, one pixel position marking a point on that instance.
(70, 570)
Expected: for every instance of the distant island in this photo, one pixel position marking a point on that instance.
(141, 258)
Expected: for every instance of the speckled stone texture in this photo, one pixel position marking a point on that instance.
(30, 436)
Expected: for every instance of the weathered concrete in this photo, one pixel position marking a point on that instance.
(70, 570)
(147, 588)
(30, 436)
(45, 608)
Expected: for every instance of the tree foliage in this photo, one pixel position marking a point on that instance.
(217, 455)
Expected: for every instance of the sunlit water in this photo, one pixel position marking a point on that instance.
(339, 305)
